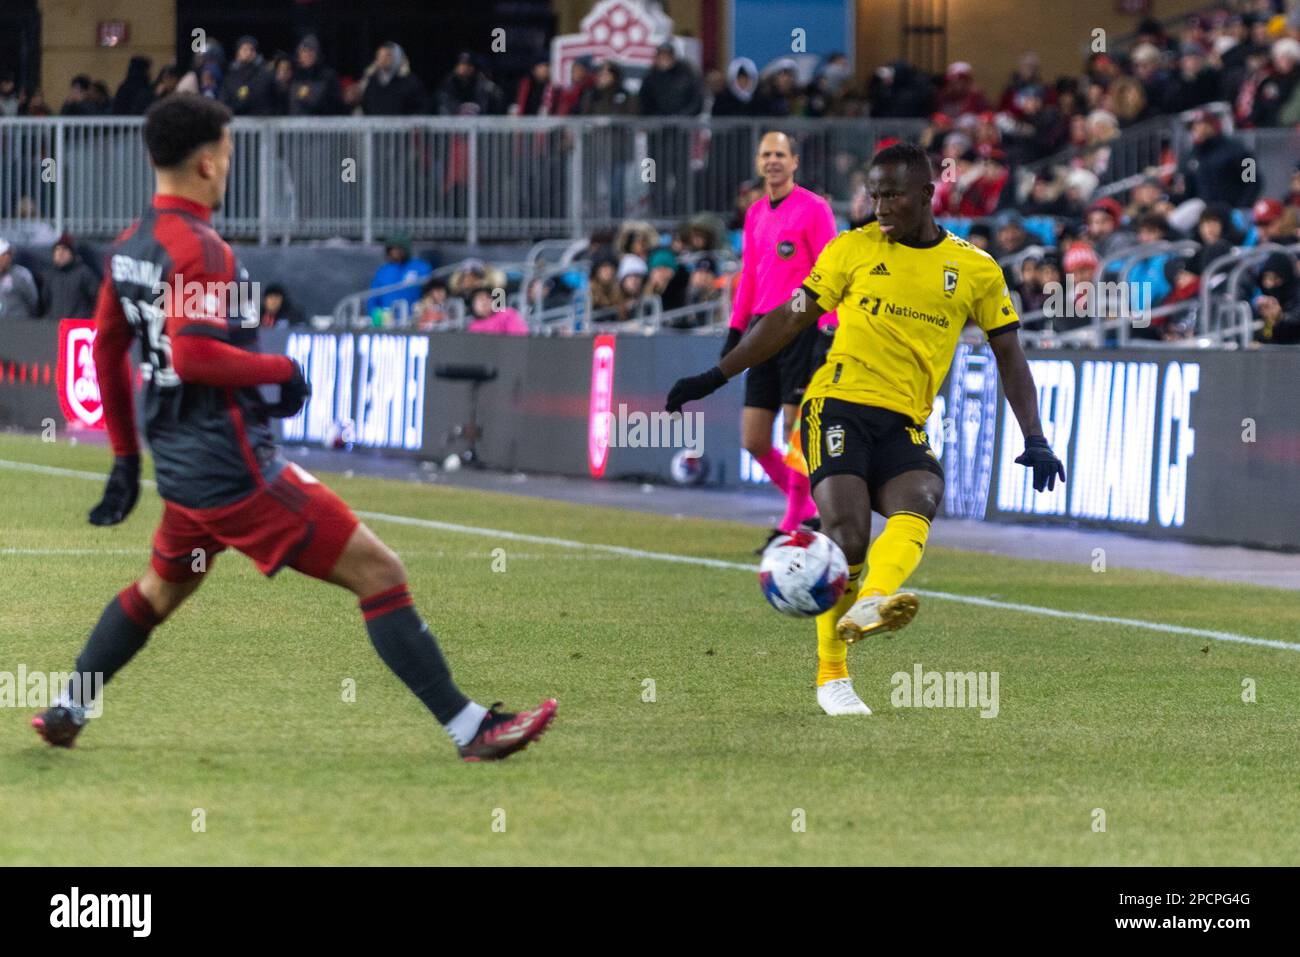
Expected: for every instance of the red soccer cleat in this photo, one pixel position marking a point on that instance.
(59, 726)
(502, 734)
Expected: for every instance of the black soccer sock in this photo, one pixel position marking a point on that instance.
(121, 631)
(407, 646)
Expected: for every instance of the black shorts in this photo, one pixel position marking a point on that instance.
(782, 379)
(845, 438)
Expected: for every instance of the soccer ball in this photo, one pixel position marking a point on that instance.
(803, 573)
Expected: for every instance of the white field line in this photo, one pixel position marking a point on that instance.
(502, 535)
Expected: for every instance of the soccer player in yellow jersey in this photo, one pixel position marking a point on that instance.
(903, 288)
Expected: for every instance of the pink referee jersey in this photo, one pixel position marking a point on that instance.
(778, 251)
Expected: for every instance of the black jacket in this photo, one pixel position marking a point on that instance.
(315, 92)
(70, 292)
(676, 91)
(1212, 171)
(403, 95)
(246, 89)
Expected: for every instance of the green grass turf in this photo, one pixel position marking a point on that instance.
(235, 707)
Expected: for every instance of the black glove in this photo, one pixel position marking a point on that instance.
(694, 387)
(1038, 455)
(120, 493)
(733, 336)
(294, 393)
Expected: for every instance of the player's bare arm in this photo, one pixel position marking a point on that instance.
(772, 333)
(1022, 396)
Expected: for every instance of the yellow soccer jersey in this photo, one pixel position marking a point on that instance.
(901, 310)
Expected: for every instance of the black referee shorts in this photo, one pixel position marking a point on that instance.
(846, 438)
(782, 379)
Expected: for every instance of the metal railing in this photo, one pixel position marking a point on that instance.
(471, 178)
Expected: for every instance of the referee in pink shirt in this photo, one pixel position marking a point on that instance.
(784, 233)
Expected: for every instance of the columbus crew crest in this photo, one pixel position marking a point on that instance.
(949, 279)
(835, 441)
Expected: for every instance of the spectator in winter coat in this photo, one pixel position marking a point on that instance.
(1278, 304)
(70, 286)
(1212, 170)
(609, 97)
(246, 88)
(18, 297)
(277, 310)
(737, 98)
(486, 318)
(467, 92)
(389, 88)
(672, 87)
(314, 87)
(136, 92)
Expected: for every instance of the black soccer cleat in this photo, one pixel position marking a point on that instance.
(771, 537)
(502, 734)
(59, 726)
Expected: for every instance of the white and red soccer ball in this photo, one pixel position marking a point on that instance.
(803, 573)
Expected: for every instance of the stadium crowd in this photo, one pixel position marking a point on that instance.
(1243, 52)
(1021, 171)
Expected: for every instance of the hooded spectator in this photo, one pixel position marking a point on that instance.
(467, 92)
(400, 266)
(277, 310)
(246, 88)
(314, 87)
(779, 93)
(1278, 303)
(389, 88)
(18, 296)
(737, 99)
(70, 286)
(604, 284)
(136, 92)
(672, 87)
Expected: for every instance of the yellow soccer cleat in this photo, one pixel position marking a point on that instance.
(877, 614)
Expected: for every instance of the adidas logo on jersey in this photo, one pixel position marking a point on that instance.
(879, 270)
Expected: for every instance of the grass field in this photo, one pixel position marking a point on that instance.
(236, 706)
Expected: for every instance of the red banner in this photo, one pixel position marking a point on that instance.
(77, 383)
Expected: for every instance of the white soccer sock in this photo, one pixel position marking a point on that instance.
(464, 726)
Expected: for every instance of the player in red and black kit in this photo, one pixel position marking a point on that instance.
(172, 283)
